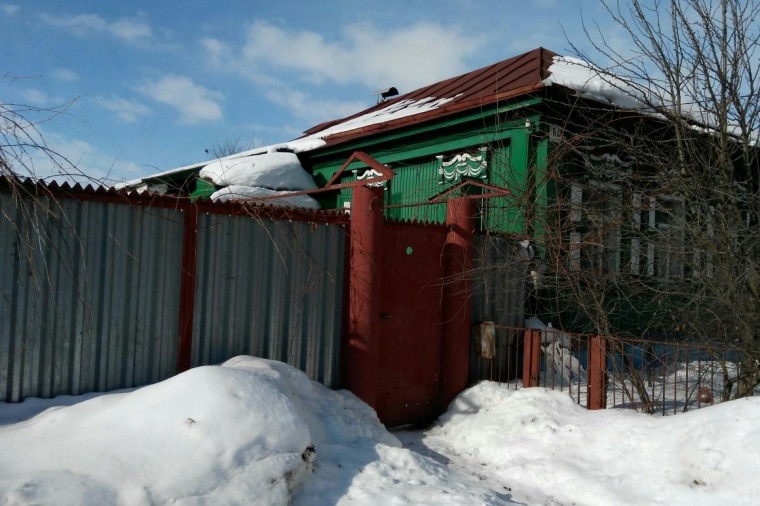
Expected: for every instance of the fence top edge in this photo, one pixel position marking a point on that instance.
(637, 341)
(41, 190)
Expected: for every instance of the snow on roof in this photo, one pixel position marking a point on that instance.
(605, 87)
(264, 196)
(596, 84)
(396, 110)
(505, 79)
(393, 111)
(275, 170)
(295, 146)
(261, 176)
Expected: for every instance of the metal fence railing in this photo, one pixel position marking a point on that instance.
(657, 377)
(670, 377)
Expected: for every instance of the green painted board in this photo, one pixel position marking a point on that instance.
(203, 189)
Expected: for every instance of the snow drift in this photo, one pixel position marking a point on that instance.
(251, 431)
(255, 431)
(553, 451)
(226, 432)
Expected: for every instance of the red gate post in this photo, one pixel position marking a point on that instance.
(457, 302)
(597, 373)
(364, 293)
(532, 344)
(187, 289)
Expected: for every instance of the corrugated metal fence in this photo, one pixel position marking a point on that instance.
(269, 288)
(500, 281)
(89, 292)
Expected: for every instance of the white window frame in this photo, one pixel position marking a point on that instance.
(663, 263)
(609, 252)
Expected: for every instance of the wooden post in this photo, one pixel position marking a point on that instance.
(531, 356)
(597, 373)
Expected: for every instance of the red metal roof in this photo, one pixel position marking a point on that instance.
(508, 78)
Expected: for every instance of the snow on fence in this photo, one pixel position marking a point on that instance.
(657, 377)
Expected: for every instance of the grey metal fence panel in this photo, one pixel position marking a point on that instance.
(500, 293)
(87, 295)
(500, 278)
(271, 289)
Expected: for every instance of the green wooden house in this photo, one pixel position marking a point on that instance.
(485, 125)
(517, 125)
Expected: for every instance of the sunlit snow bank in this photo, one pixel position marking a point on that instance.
(242, 434)
(551, 451)
(231, 433)
(236, 434)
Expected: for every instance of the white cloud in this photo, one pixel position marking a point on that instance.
(9, 9)
(35, 97)
(217, 51)
(405, 57)
(65, 75)
(127, 29)
(194, 103)
(40, 98)
(289, 65)
(130, 29)
(73, 160)
(308, 108)
(126, 110)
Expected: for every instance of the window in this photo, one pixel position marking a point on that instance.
(596, 215)
(664, 237)
(614, 229)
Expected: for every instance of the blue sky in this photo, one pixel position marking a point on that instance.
(153, 84)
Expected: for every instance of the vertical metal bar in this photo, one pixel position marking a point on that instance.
(675, 381)
(578, 387)
(653, 383)
(699, 377)
(686, 388)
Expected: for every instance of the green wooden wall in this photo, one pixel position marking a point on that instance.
(513, 156)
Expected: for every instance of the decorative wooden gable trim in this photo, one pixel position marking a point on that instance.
(463, 165)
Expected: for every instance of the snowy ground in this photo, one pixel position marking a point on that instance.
(259, 432)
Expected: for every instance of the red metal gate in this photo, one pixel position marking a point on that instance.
(410, 323)
(407, 350)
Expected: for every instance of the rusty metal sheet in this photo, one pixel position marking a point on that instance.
(487, 340)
